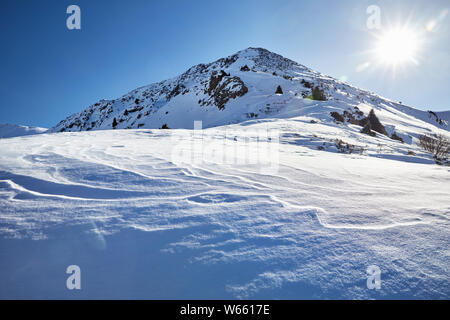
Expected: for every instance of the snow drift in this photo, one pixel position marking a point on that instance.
(281, 196)
(12, 130)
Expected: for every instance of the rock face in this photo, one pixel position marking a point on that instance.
(230, 90)
(222, 88)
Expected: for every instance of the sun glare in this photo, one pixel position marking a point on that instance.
(397, 46)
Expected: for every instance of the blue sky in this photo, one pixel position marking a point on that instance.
(49, 72)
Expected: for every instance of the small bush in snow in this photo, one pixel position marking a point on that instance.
(307, 84)
(279, 90)
(367, 129)
(375, 124)
(345, 147)
(394, 136)
(337, 116)
(318, 94)
(438, 145)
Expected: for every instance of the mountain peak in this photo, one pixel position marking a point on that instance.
(237, 88)
(254, 51)
(262, 58)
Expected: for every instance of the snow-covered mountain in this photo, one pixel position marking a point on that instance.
(13, 130)
(281, 196)
(238, 88)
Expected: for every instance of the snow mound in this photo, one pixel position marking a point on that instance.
(13, 130)
(281, 196)
(134, 215)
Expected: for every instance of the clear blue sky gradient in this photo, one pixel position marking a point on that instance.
(49, 72)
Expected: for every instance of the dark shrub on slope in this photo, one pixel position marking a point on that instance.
(375, 124)
(337, 116)
(368, 130)
(318, 94)
(307, 84)
(438, 145)
(396, 137)
(279, 90)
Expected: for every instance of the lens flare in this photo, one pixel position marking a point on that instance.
(433, 25)
(397, 46)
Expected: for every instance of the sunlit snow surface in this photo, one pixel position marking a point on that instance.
(12, 130)
(140, 224)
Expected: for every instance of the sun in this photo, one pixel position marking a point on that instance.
(397, 46)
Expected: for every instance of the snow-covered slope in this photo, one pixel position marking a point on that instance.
(284, 202)
(443, 115)
(237, 88)
(152, 214)
(13, 130)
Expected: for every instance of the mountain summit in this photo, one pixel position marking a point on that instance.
(252, 84)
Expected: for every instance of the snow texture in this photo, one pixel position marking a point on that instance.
(143, 217)
(12, 130)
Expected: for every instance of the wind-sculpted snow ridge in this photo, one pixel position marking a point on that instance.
(242, 87)
(281, 196)
(148, 214)
(12, 130)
